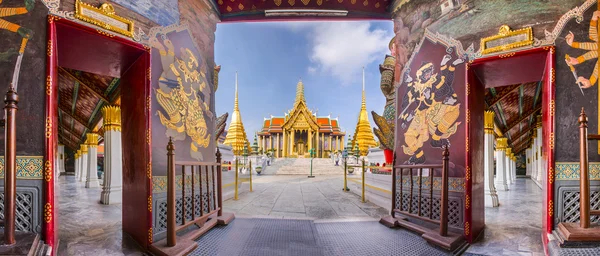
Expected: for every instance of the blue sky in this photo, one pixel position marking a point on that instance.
(271, 57)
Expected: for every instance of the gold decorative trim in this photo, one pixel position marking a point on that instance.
(52, 18)
(552, 75)
(467, 202)
(551, 138)
(104, 33)
(92, 140)
(149, 170)
(111, 116)
(552, 107)
(467, 228)
(506, 55)
(150, 239)
(150, 203)
(467, 144)
(505, 32)
(48, 127)
(468, 173)
(148, 103)
(468, 116)
(550, 208)
(48, 85)
(149, 74)
(468, 89)
(48, 171)
(48, 212)
(49, 48)
(550, 175)
(106, 9)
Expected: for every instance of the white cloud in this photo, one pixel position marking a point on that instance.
(343, 48)
(312, 70)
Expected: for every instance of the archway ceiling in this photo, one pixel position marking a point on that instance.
(248, 10)
(516, 107)
(81, 96)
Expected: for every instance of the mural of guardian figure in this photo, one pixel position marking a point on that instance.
(429, 109)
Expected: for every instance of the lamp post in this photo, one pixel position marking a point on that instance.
(345, 156)
(312, 156)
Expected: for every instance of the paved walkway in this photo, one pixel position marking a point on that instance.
(296, 196)
(514, 228)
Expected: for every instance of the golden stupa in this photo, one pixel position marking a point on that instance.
(236, 135)
(363, 134)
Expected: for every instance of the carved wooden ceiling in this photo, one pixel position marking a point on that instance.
(81, 96)
(241, 10)
(515, 107)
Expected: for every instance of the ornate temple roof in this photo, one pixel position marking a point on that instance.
(325, 124)
(363, 134)
(81, 96)
(236, 134)
(516, 107)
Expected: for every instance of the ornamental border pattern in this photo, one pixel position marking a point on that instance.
(570, 171)
(454, 184)
(159, 183)
(28, 167)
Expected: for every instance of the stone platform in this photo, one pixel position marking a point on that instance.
(301, 166)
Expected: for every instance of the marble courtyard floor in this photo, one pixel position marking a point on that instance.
(513, 228)
(296, 196)
(87, 227)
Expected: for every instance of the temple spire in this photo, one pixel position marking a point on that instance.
(300, 92)
(363, 134)
(235, 103)
(236, 135)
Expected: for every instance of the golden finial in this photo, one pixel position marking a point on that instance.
(300, 92)
(236, 135)
(363, 134)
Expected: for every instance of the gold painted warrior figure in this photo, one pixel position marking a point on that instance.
(430, 108)
(6, 25)
(591, 47)
(184, 95)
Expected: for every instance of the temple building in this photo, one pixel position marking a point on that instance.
(236, 135)
(363, 134)
(300, 130)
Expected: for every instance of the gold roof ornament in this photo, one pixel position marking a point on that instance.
(111, 116)
(508, 151)
(501, 144)
(363, 134)
(236, 135)
(488, 123)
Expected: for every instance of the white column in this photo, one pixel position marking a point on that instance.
(61, 158)
(500, 164)
(76, 165)
(514, 169)
(540, 161)
(112, 186)
(508, 166)
(528, 162)
(490, 189)
(83, 163)
(92, 162)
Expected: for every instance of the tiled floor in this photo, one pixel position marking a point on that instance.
(252, 236)
(87, 227)
(296, 196)
(515, 227)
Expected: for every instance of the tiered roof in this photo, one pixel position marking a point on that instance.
(326, 124)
